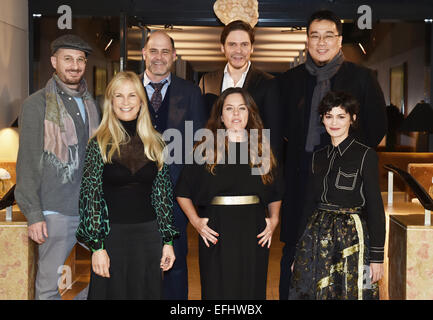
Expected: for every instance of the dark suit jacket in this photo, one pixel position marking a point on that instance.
(186, 104)
(211, 83)
(261, 87)
(351, 78)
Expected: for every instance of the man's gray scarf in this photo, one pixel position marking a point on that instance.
(323, 76)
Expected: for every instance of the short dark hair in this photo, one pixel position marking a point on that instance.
(340, 99)
(326, 15)
(148, 38)
(237, 25)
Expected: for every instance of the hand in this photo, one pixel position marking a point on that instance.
(168, 257)
(200, 224)
(266, 235)
(101, 263)
(293, 265)
(38, 232)
(376, 272)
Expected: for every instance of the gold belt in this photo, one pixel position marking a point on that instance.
(234, 200)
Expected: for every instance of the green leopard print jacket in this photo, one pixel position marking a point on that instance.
(94, 221)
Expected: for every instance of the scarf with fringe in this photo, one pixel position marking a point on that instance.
(60, 135)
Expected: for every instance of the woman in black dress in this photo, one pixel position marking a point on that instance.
(231, 200)
(126, 198)
(340, 253)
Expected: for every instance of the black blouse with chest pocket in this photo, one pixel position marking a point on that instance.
(347, 176)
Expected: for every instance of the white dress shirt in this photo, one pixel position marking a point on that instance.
(228, 81)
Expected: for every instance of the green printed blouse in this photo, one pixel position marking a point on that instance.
(94, 219)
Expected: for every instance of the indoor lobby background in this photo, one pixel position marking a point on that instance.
(398, 48)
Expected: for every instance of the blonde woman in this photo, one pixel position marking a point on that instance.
(126, 198)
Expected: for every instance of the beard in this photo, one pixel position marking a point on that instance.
(68, 79)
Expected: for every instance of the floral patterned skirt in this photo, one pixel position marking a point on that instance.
(331, 260)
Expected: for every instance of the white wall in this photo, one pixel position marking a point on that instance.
(13, 59)
(9, 141)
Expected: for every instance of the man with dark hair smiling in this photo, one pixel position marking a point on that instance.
(237, 40)
(237, 45)
(301, 90)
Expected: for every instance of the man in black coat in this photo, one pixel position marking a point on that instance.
(172, 101)
(237, 44)
(301, 90)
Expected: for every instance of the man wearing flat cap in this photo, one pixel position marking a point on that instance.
(55, 125)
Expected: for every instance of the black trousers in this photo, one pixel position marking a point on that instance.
(175, 283)
(287, 259)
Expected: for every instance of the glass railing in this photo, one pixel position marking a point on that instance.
(421, 194)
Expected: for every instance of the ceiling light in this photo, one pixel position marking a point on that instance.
(108, 45)
(362, 48)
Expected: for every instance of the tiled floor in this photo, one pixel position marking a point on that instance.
(83, 269)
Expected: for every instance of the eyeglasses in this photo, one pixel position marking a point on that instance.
(327, 38)
(69, 60)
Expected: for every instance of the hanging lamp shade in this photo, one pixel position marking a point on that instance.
(420, 119)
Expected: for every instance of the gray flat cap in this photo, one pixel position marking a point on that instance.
(70, 41)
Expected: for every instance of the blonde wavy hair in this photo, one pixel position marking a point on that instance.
(111, 134)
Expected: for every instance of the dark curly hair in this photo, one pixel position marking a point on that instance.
(340, 99)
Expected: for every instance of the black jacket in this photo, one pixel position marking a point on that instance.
(264, 90)
(186, 104)
(296, 87)
(347, 176)
(211, 83)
